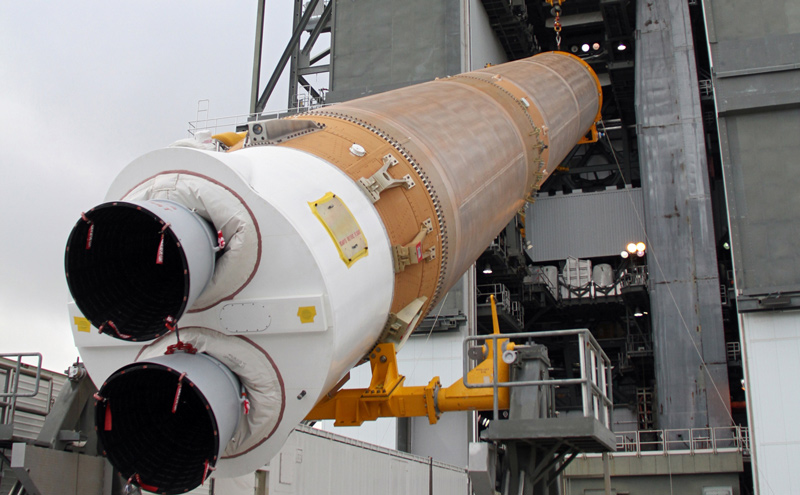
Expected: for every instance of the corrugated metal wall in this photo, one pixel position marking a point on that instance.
(584, 225)
(319, 462)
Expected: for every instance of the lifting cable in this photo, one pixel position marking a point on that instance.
(556, 11)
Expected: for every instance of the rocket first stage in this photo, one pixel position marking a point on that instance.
(236, 289)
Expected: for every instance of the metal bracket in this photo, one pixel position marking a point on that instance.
(381, 180)
(591, 137)
(397, 325)
(411, 253)
(276, 131)
(385, 378)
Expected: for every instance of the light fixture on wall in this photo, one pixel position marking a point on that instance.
(636, 247)
(487, 270)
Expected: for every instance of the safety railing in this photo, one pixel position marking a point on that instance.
(734, 351)
(595, 370)
(706, 87)
(683, 441)
(309, 98)
(539, 277)
(638, 344)
(502, 296)
(220, 124)
(518, 312)
(633, 276)
(12, 369)
(230, 123)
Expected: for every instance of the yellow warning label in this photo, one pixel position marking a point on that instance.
(82, 324)
(342, 227)
(307, 314)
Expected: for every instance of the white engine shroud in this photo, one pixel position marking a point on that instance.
(283, 311)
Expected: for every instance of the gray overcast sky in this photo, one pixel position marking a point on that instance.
(86, 87)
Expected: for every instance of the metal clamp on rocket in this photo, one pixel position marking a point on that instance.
(236, 289)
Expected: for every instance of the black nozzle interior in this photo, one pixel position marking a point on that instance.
(113, 274)
(142, 436)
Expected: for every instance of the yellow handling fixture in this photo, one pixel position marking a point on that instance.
(387, 397)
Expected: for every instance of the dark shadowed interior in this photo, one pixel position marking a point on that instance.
(117, 278)
(141, 435)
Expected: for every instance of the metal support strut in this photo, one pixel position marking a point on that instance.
(388, 397)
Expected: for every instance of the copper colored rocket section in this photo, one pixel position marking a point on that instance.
(475, 146)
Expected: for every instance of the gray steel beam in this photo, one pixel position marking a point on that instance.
(689, 342)
(287, 53)
(316, 58)
(322, 24)
(72, 412)
(256, 81)
(302, 63)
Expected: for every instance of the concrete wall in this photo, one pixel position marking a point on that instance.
(649, 485)
(756, 79)
(684, 286)
(484, 47)
(657, 474)
(771, 344)
(380, 45)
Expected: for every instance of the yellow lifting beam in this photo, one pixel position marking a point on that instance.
(388, 397)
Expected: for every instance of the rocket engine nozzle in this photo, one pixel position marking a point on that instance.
(164, 422)
(135, 267)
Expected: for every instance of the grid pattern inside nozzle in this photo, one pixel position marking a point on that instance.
(113, 274)
(167, 450)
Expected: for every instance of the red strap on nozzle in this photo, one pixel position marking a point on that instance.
(178, 393)
(170, 323)
(90, 234)
(160, 252)
(207, 468)
(149, 488)
(113, 327)
(107, 422)
(220, 240)
(181, 346)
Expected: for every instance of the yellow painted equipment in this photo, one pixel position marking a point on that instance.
(387, 397)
